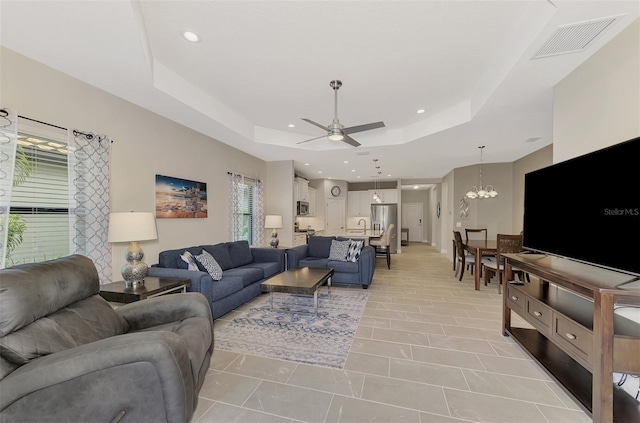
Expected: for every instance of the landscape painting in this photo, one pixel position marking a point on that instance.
(180, 198)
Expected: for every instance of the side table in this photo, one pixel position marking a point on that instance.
(116, 292)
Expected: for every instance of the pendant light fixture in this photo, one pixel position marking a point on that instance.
(376, 197)
(482, 192)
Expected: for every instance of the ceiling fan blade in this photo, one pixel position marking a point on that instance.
(312, 139)
(350, 141)
(315, 123)
(360, 128)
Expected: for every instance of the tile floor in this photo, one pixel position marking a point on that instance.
(428, 349)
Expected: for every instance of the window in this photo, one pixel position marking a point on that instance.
(40, 200)
(247, 212)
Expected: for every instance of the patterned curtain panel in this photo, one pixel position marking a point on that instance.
(89, 206)
(258, 215)
(236, 192)
(8, 138)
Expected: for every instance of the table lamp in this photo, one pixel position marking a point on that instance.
(133, 227)
(273, 221)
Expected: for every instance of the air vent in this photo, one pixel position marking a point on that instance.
(532, 139)
(363, 153)
(573, 38)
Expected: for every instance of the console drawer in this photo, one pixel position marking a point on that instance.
(515, 299)
(540, 315)
(576, 340)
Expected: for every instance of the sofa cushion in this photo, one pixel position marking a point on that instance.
(319, 246)
(210, 264)
(343, 266)
(169, 258)
(339, 250)
(249, 275)
(187, 261)
(226, 286)
(355, 248)
(220, 252)
(80, 323)
(313, 262)
(240, 253)
(268, 268)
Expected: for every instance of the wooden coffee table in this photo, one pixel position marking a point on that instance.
(299, 280)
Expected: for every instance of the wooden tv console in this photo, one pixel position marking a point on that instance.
(577, 337)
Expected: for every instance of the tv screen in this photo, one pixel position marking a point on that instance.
(587, 208)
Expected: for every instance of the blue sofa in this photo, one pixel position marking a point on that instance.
(316, 254)
(243, 269)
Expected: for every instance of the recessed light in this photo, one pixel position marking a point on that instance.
(291, 125)
(388, 174)
(191, 36)
(319, 171)
(358, 177)
(346, 162)
(421, 111)
(353, 170)
(306, 164)
(416, 187)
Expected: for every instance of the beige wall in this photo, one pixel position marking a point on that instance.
(598, 104)
(145, 144)
(536, 160)
(279, 199)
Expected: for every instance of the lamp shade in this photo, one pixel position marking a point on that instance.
(132, 226)
(273, 221)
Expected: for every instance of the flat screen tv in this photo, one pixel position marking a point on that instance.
(587, 208)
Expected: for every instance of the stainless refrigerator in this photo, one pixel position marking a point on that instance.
(382, 215)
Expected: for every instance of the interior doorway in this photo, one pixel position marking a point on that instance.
(335, 216)
(412, 219)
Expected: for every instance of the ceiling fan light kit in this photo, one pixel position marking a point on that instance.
(336, 131)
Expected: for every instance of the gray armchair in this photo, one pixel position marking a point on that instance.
(67, 355)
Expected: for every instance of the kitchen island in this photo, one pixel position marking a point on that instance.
(360, 234)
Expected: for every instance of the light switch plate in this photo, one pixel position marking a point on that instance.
(458, 224)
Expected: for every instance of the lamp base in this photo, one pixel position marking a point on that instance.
(274, 241)
(135, 270)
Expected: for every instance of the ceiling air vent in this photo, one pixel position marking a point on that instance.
(573, 38)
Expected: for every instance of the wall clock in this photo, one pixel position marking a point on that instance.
(335, 190)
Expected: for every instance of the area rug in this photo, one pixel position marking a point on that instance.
(322, 340)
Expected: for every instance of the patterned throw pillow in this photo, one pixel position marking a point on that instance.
(355, 247)
(209, 263)
(187, 261)
(339, 250)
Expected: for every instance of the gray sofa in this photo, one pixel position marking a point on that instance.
(243, 269)
(67, 356)
(316, 254)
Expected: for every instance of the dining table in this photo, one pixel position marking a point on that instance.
(479, 248)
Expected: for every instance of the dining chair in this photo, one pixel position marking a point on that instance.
(480, 231)
(381, 245)
(506, 244)
(464, 258)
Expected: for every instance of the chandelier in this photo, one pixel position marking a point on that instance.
(482, 192)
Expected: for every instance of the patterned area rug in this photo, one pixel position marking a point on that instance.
(322, 340)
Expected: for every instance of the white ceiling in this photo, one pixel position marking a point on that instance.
(262, 65)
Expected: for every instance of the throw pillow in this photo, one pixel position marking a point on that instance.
(355, 247)
(187, 261)
(209, 263)
(339, 250)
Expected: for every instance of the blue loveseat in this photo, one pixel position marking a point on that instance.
(316, 254)
(243, 269)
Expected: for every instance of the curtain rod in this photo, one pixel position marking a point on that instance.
(43, 123)
(246, 177)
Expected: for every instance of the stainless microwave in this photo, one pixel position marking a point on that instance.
(302, 208)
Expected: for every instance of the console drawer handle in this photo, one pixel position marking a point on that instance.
(570, 336)
(514, 298)
(537, 313)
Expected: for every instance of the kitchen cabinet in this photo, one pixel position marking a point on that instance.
(359, 203)
(313, 201)
(301, 189)
(299, 239)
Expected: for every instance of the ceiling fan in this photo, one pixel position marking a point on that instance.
(336, 131)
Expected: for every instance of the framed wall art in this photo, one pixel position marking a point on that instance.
(180, 198)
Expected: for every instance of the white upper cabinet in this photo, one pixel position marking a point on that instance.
(301, 189)
(359, 203)
(312, 201)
